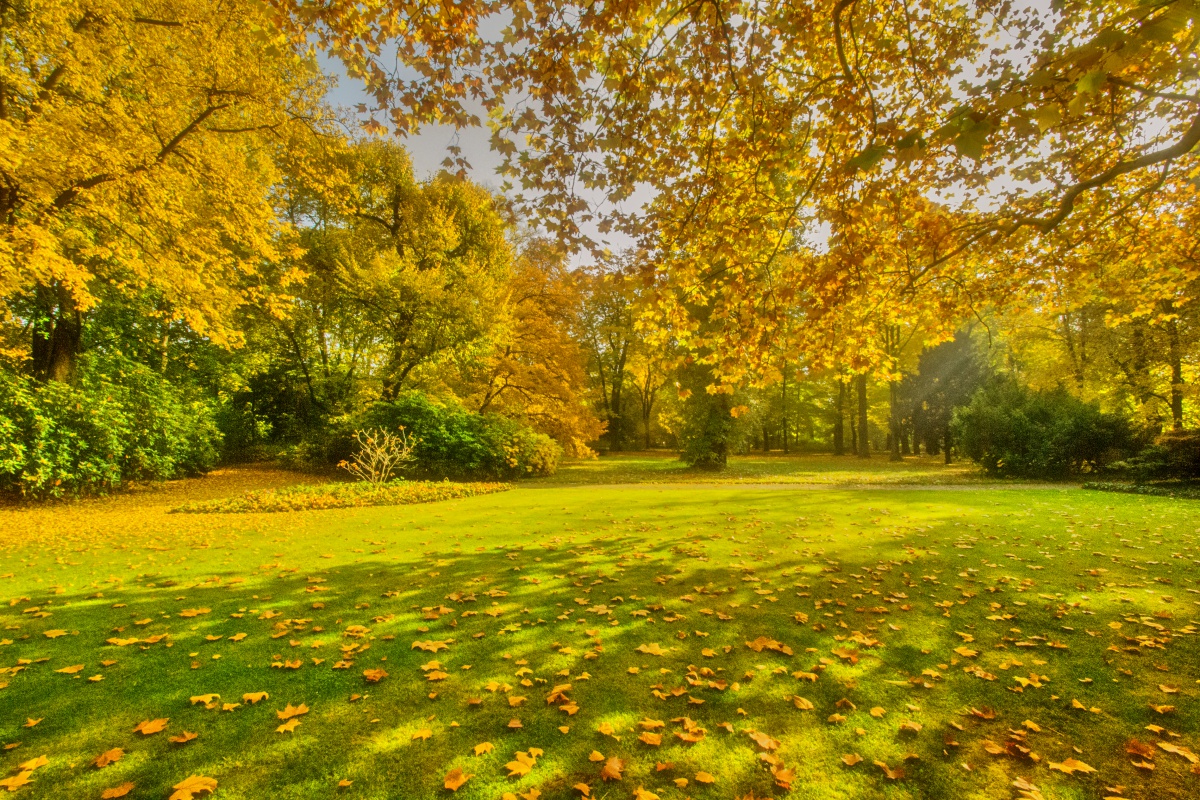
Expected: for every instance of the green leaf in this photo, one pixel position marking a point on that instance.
(970, 143)
(867, 158)
(1048, 116)
(1091, 82)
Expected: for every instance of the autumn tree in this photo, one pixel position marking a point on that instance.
(534, 369)
(141, 147)
(606, 329)
(424, 260)
(753, 125)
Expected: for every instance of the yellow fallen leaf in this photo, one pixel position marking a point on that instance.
(117, 791)
(455, 778)
(189, 788)
(147, 727)
(16, 781)
(33, 763)
(612, 769)
(1071, 766)
(291, 711)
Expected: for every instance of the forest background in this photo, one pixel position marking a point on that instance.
(979, 244)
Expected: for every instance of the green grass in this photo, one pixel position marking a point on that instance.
(580, 578)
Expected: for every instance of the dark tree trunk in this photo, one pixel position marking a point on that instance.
(1175, 356)
(646, 422)
(864, 440)
(894, 432)
(839, 422)
(57, 336)
(784, 414)
(948, 443)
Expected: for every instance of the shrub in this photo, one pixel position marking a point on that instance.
(380, 453)
(1173, 456)
(457, 443)
(1014, 432)
(58, 439)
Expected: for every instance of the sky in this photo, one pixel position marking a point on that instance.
(428, 149)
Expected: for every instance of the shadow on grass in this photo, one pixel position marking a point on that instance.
(558, 597)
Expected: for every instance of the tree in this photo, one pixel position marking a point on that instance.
(140, 150)
(535, 370)
(423, 260)
(756, 125)
(606, 330)
(947, 376)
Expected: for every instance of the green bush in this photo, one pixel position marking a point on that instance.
(1172, 456)
(122, 422)
(1014, 432)
(458, 443)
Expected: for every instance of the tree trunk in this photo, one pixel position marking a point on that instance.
(893, 423)
(57, 336)
(839, 424)
(864, 440)
(784, 414)
(1176, 359)
(616, 428)
(948, 443)
(646, 422)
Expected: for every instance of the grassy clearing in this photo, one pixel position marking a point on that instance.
(307, 497)
(816, 470)
(1062, 617)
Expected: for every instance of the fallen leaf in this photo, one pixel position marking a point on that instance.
(1071, 766)
(455, 778)
(612, 769)
(188, 789)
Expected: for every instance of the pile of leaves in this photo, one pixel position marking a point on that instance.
(342, 495)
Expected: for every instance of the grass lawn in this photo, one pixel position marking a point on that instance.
(961, 639)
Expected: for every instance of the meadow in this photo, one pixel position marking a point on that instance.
(666, 640)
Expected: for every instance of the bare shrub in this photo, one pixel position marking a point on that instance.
(380, 453)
